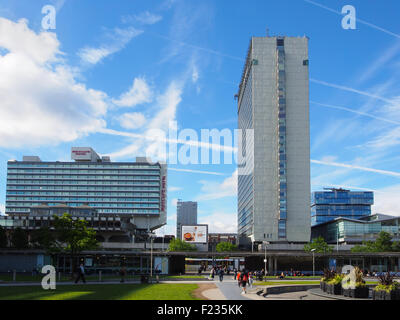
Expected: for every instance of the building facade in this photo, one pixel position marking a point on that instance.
(273, 115)
(133, 189)
(351, 231)
(186, 215)
(335, 203)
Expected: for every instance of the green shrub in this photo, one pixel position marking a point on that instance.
(336, 280)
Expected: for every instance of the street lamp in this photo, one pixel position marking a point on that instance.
(313, 262)
(151, 235)
(265, 257)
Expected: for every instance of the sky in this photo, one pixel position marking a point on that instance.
(109, 75)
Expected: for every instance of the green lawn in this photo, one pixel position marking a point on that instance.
(94, 277)
(274, 283)
(102, 292)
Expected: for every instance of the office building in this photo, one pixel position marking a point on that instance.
(273, 114)
(186, 215)
(334, 203)
(354, 231)
(132, 189)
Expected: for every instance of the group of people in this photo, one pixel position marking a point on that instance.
(244, 278)
(220, 271)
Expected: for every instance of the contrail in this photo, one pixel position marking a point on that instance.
(197, 171)
(364, 93)
(358, 20)
(356, 112)
(350, 166)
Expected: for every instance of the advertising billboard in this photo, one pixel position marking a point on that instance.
(195, 233)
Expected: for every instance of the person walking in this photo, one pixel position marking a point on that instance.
(122, 273)
(221, 274)
(251, 279)
(238, 278)
(81, 274)
(244, 278)
(235, 274)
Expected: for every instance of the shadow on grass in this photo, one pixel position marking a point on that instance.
(102, 292)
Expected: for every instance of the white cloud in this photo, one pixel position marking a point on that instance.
(41, 101)
(387, 201)
(220, 222)
(173, 189)
(132, 120)
(212, 190)
(116, 41)
(139, 93)
(144, 18)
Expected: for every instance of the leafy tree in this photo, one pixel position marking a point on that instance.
(180, 245)
(226, 247)
(396, 246)
(19, 239)
(43, 238)
(73, 236)
(319, 245)
(383, 243)
(3, 238)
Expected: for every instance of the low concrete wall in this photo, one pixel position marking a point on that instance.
(286, 289)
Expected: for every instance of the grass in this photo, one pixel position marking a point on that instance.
(93, 277)
(273, 283)
(102, 292)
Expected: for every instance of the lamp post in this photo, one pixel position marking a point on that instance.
(151, 235)
(313, 262)
(265, 257)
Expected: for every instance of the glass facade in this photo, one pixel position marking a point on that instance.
(110, 187)
(329, 205)
(354, 231)
(281, 95)
(245, 179)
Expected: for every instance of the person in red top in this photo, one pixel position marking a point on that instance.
(244, 277)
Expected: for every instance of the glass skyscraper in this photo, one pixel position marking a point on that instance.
(135, 189)
(328, 205)
(186, 215)
(273, 115)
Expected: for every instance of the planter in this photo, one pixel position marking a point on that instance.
(335, 289)
(383, 295)
(360, 292)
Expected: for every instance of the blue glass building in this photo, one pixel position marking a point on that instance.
(335, 203)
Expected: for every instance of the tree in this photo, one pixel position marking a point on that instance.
(225, 247)
(43, 238)
(180, 245)
(3, 238)
(19, 239)
(73, 236)
(319, 245)
(383, 243)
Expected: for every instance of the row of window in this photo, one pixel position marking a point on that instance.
(67, 199)
(83, 193)
(69, 182)
(84, 177)
(74, 165)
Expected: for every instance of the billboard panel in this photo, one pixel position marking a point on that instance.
(195, 234)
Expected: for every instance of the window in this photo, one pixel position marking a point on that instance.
(305, 62)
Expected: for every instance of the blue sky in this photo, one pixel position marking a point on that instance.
(111, 72)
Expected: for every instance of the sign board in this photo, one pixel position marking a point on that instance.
(195, 233)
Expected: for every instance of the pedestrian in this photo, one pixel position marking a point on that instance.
(234, 274)
(81, 274)
(122, 273)
(251, 280)
(244, 278)
(238, 278)
(221, 274)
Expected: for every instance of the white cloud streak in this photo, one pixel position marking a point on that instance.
(357, 19)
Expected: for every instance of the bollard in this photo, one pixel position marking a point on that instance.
(100, 276)
(157, 278)
(14, 275)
